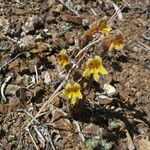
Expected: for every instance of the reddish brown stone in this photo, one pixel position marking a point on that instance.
(60, 120)
(50, 19)
(72, 19)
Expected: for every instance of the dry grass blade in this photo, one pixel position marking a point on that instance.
(78, 128)
(37, 148)
(70, 6)
(8, 62)
(144, 45)
(119, 14)
(118, 11)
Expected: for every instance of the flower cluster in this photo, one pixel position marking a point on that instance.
(94, 66)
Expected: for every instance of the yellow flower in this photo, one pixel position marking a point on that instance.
(94, 66)
(104, 27)
(118, 42)
(63, 58)
(99, 26)
(72, 92)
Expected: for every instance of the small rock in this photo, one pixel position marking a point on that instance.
(47, 32)
(57, 9)
(91, 129)
(104, 100)
(85, 22)
(72, 19)
(109, 90)
(69, 37)
(144, 144)
(4, 108)
(11, 138)
(28, 27)
(7, 145)
(47, 78)
(60, 120)
(11, 89)
(39, 37)
(42, 46)
(5, 45)
(60, 42)
(18, 11)
(27, 42)
(32, 23)
(50, 2)
(4, 25)
(28, 54)
(50, 19)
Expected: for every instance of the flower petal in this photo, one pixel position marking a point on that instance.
(63, 52)
(63, 93)
(106, 30)
(68, 85)
(99, 59)
(76, 85)
(95, 70)
(89, 61)
(87, 72)
(111, 46)
(62, 63)
(102, 70)
(119, 47)
(63, 58)
(66, 94)
(69, 95)
(96, 77)
(73, 98)
(79, 95)
(118, 42)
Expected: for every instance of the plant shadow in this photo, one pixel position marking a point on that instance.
(98, 115)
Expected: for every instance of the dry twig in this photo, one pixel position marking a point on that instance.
(4, 86)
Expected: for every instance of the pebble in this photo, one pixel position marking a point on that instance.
(62, 123)
(69, 37)
(47, 78)
(109, 90)
(91, 129)
(27, 42)
(72, 19)
(50, 19)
